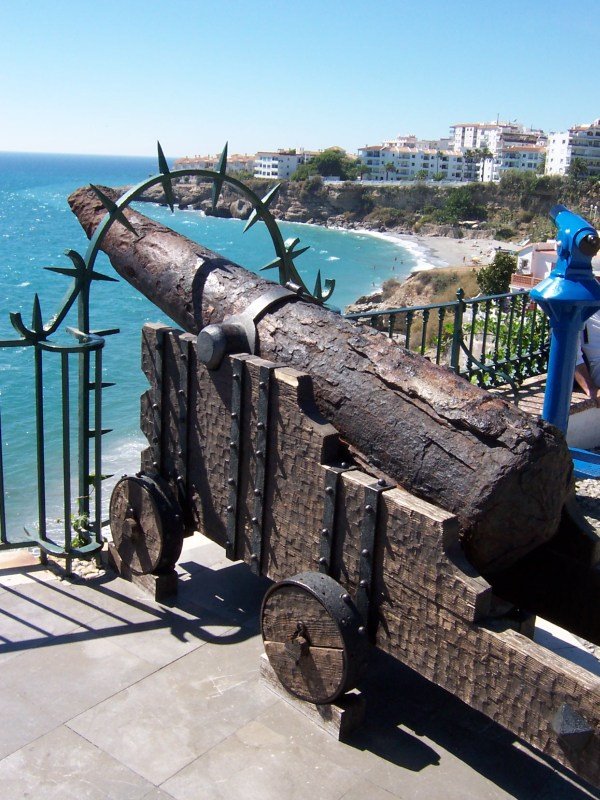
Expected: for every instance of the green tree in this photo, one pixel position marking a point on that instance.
(461, 204)
(541, 167)
(389, 167)
(330, 163)
(578, 168)
(473, 162)
(470, 161)
(495, 278)
(305, 171)
(421, 175)
(363, 169)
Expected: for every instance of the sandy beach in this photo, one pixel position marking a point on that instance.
(444, 251)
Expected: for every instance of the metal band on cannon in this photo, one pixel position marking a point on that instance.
(237, 333)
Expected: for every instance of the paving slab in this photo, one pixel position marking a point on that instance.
(161, 724)
(256, 763)
(62, 766)
(106, 693)
(54, 683)
(158, 794)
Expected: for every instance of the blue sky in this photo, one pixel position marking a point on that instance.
(115, 76)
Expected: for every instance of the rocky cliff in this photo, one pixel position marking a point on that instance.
(307, 201)
(516, 207)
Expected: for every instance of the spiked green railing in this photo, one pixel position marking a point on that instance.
(286, 252)
(83, 529)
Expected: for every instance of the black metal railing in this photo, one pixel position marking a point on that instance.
(492, 340)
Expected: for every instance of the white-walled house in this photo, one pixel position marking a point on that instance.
(534, 263)
(580, 141)
(235, 162)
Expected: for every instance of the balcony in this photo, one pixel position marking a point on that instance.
(526, 282)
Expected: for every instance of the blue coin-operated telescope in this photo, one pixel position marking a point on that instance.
(569, 296)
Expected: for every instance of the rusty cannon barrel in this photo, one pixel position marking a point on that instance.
(504, 474)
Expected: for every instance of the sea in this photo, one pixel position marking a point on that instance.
(37, 226)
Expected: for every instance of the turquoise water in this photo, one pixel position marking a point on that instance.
(36, 226)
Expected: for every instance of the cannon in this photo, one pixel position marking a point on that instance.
(264, 453)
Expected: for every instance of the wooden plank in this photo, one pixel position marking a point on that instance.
(300, 441)
(515, 682)
(209, 400)
(153, 335)
(159, 587)
(174, 416)
(249, 458)
(418, 544)
(290, 605)
(317, 672)
(349, 517)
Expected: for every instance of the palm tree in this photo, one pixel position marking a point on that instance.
(469, 157)
(482, 154)
(389, 167)
(363, 169)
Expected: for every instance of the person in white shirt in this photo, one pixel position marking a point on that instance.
(587, 369)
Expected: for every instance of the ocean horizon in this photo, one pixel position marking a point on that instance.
(37, 226)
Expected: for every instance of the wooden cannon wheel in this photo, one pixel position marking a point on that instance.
(314, 637)
(146, 525)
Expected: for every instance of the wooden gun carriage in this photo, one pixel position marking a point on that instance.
(286, 461)
(242, 454)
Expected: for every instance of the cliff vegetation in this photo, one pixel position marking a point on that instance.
(511, 210)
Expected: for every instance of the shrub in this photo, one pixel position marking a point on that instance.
(495, 278)
(505, 233)
(389, 287)
(390, 217)
(461, 205)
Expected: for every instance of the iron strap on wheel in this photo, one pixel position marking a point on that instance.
(300, 672)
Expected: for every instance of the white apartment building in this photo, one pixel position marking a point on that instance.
(524, 158)
(493, 135)
(470, 135)
(412, 142)
(280, 164)
(512, 146)
(512, 135)
(580, 141)
(403, 158)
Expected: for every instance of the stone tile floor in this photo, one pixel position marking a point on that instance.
(107, 694)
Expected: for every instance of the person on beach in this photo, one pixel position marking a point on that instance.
(587, 369)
